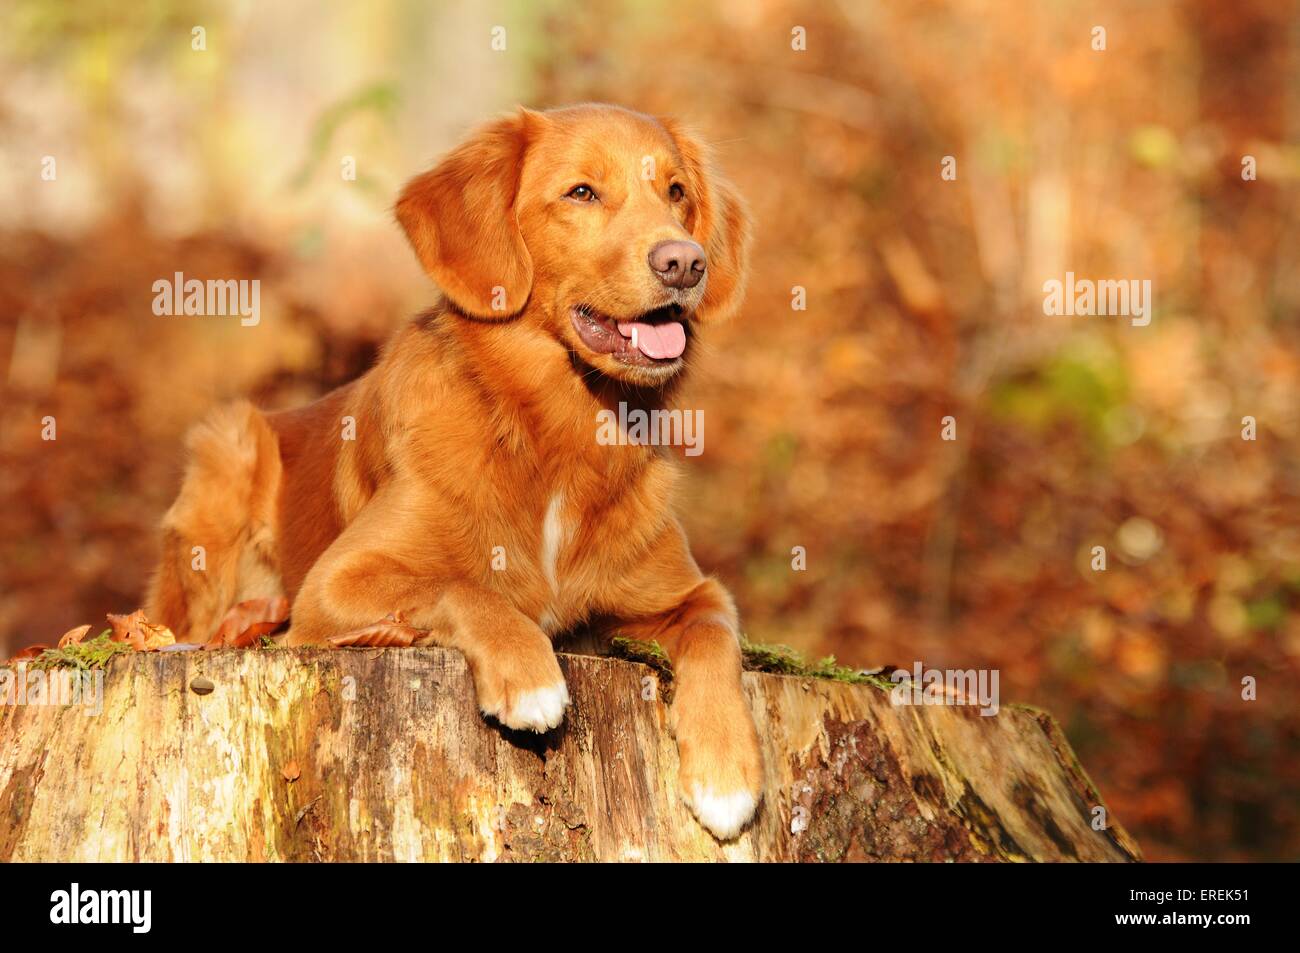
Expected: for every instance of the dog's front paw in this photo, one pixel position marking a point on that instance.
(723, 815)
(721, 772)
(538, 710)
(522, 686)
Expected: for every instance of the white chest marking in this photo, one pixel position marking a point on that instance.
(554, 535)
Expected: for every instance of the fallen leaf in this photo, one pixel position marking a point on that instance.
(248, 621)
(129, 628)
(291, 772)
(158, 636)
(141, 634)
(392, 630)
(73, 636)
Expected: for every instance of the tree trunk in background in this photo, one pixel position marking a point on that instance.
(381, 754)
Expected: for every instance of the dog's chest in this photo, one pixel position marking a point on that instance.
(584, 544)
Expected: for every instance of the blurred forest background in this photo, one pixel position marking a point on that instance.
(924, 300)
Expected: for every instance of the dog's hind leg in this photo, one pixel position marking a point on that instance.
(218, 538)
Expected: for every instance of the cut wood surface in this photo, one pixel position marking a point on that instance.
(381, 754)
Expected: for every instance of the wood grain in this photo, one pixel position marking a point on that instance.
(394, 762)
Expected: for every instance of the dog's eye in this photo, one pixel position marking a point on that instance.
(581, 193)
(676, 193)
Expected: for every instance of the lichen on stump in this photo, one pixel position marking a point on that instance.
(381, 754)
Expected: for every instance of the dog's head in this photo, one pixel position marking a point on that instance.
(607, 228)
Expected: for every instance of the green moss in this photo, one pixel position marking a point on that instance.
(783, 660)
(91, 653)
(773, 659)
(647, 653)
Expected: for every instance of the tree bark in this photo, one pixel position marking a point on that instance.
(381, 754)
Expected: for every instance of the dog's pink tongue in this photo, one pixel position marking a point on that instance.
(660, 341)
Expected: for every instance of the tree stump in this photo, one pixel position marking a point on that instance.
(381, 754)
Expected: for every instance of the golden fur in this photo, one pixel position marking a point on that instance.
(476, 429)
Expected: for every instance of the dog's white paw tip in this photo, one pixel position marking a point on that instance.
(539, 710)
(724, 815)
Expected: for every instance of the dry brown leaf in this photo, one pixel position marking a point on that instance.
(73, 636)
(30, 651)
(129, 628)
(292, 772)
(391, 631)
(137, 631)
(248, 621)
(157, 636)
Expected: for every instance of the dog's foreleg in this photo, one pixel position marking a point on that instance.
(516, 674)
(721, 763)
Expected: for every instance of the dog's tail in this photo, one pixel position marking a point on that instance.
(218, 538)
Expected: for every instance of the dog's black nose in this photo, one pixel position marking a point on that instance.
(679, 264)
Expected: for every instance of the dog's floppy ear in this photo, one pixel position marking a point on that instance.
(721, 225)
(460, 218)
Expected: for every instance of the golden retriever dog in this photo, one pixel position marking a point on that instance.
(457, 494)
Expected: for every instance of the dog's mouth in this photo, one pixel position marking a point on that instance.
(656, 338)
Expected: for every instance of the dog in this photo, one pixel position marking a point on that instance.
(457, 490)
